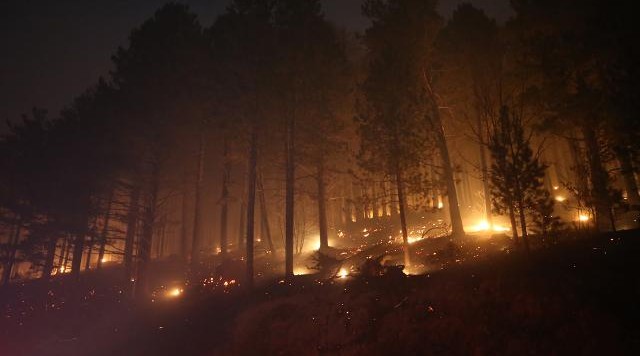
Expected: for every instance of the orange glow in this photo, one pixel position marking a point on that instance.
(175, 292)
(484, 225)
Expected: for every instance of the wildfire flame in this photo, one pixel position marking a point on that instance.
(175, 292)
(484, 226)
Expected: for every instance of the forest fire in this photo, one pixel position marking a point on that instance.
(322, 177)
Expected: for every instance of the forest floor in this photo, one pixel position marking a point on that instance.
(579, 296)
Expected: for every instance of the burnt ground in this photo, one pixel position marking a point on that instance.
(579, 296)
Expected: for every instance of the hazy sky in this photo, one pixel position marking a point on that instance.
(50, 51)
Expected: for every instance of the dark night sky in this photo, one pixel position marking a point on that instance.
(50, 51)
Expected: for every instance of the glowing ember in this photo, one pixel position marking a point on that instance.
(560, 198)
(583, 217)
(343, 273)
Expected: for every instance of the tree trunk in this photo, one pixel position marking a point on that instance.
(78, 251)
(67, 250)
(403, 217)
(92, 241)
(132, 228)
(51, 253)
(452, 194)
(13, 249)
(441, 142)
(105, 231)
(146, 240)
(578, 162)
(485, 176)
(265, 217)
(195, 238)
(87, 262)
(184, 228)
(322, 207)
(243, 224)
(514, 224)
(251, 205)
(224, 211)
(599, 181)
(628, 176)
(63, 249)
(290, 189)
(523, 224)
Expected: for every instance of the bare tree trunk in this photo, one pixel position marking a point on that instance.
(265, 217)
(87, 262)
(599, 181)
(132, 228)
(441, 142)
(290, 189)
(523, 224)
(452, 194)
(243, 224)
(92, 241)
(13, 249)
(184, 234)
(403, 216)
(162, 235)
(51, 253)
(485, 176)
(224, 221)
(322, 207)
(628, 176)
(251, 205)
(48, 264)
(148, 222)
(514, 224)
(578, 162)
(67, 250)
(195, 239)
(63, 250)
(78, 251)
(105, 230)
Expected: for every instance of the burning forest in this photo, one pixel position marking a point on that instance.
(324, 177)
